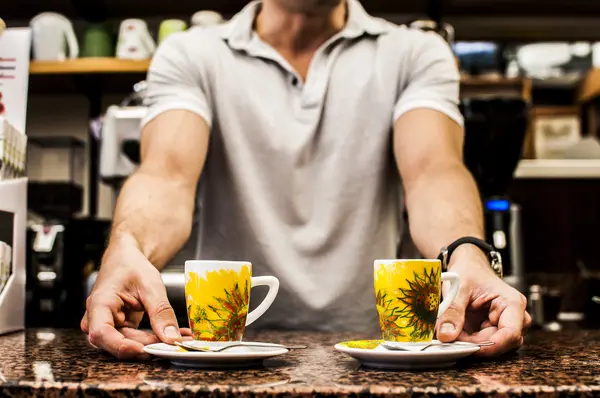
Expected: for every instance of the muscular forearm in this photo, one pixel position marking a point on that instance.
(443, 205)
(155, 213)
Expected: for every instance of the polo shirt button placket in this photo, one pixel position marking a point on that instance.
(312, 92)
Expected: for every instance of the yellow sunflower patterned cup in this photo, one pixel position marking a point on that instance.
(218, 295)
(408, 298)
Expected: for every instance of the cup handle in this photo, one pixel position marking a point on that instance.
(273, 284)
(454, 280)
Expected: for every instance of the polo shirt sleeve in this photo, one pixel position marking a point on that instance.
(431, 78)
(174, 82)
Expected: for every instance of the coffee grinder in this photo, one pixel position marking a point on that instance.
(495, 131)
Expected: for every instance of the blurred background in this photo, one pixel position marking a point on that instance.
(530, 93)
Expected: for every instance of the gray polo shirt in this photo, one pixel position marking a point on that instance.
(300, 177)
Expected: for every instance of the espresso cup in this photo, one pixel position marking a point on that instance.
(408, 296)
(218, 295)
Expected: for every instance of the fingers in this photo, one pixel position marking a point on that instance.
(185, 332)
(102, 333)
(504, 340)
(486, 324)
(512, 316)
(452, 321)
(84, 323)
(146, 338)
(140, 336)
(478, 337)
(161, 314)
(527, 321)
(509, 333)
(132, 319)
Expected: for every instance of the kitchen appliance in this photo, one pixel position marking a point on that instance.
(495, 131)
(119, 148)
(53, 37)
(56, 197)
(120, 137)
(61, 256)
(135, 41)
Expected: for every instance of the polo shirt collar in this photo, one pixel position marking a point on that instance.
(238, 31)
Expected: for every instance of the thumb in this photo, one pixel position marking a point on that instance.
(161, 314)
(452, 321)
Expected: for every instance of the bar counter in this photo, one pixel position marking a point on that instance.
(52, 363)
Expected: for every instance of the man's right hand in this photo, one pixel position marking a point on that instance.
(127, 285)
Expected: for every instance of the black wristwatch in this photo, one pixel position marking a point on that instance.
(489, 250)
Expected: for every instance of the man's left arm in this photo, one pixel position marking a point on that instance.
(441, 196)
(443, 202)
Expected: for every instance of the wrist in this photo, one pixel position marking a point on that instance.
(467, 258)
(122, 238)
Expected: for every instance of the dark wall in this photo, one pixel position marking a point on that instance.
(561, 223)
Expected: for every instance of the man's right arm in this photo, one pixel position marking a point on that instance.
(152, 221)
(155, 207)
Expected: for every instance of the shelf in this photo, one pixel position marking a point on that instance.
(56, 142)
(558, 168)
(88, 66)
(111, 75)
(545, 111)
(492, 82)
(486, 86)
(114, 65)
(129, 71)
(590, 88)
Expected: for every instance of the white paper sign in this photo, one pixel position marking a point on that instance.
(15, 46)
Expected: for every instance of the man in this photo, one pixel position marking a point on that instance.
(298, 114)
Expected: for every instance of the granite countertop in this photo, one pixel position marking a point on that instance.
(60, 362)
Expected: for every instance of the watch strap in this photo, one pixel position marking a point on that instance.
(489, 250)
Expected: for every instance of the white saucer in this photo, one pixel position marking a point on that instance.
(236, 357)
(374, 355)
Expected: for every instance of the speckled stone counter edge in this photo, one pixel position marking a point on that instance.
(156, 391)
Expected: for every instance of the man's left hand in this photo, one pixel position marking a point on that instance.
(485, 309)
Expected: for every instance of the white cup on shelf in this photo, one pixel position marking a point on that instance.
(52, 34)
(206, 18)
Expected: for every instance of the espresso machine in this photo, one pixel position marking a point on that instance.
(495, 129)
(61, 256)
